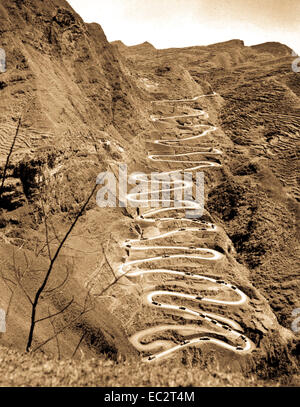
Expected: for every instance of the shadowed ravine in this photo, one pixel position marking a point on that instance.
(132, 269)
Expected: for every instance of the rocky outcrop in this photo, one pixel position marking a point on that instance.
(84, 106)
(74, 94)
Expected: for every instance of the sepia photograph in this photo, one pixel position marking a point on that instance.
(150, 197)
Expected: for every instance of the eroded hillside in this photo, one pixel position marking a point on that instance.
(257, 199)
(79, 110)
(87, 105)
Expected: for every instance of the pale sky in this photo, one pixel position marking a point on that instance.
(181, 23)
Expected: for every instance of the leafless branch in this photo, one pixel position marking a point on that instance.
(57, 313)
(20, 276)
(79, 343)
(9, 155)
(84, 311)
(60, 285)
(46, 230)
(49, 271)
(54, 330)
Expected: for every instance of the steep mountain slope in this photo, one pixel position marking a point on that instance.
(85, 106)
(255, 197)
(79, 108)
(258, 201)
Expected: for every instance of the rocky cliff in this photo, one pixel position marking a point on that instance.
(83, 106)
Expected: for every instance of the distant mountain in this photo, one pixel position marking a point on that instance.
(275, 48)
(72, 106)
(78, 105)
(144, 46)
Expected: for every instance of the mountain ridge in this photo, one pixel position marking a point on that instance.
(85, 106)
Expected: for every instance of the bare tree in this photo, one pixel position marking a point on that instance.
(18, 280)
(88, 306)
(52, 260)
(9, 156)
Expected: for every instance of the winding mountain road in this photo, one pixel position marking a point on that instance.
(184, 100)
(212, 324)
